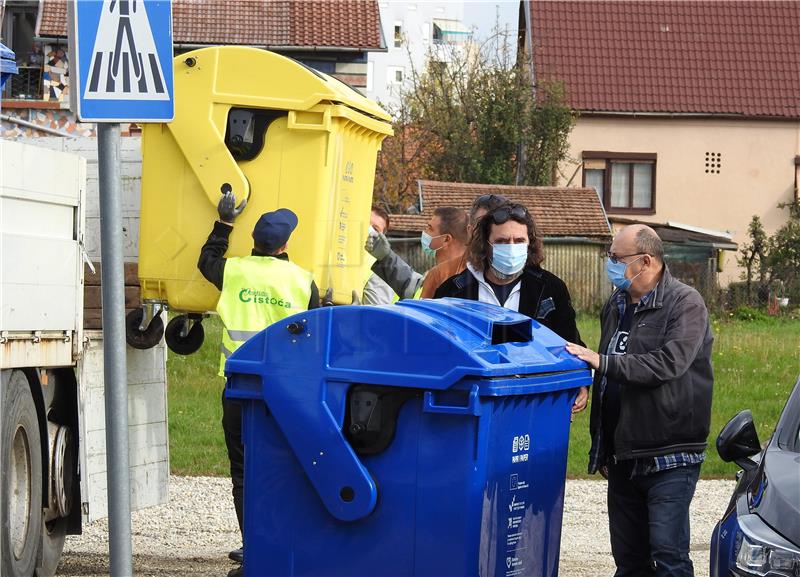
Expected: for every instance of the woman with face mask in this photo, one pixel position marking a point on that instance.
(503, 268)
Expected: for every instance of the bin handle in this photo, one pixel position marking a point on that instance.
(199, 132)
(473, 406)
(292, 122)
(344, 485)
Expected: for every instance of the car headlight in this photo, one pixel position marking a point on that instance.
(763, 552)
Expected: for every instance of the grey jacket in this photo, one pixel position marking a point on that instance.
(377, 292)
(665, 377)
(398, 274)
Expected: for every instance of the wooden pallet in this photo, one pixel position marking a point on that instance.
(92, 300)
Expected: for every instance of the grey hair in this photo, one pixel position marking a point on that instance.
(648, 242)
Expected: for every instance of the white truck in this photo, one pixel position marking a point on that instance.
(52, 408)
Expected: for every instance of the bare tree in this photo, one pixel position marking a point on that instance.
(472, 115)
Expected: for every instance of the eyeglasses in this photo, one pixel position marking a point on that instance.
(502, 214)
(616, 258)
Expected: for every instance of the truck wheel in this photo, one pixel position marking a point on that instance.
(53, 535)
(184, 344)
(62, 473)
(147, 338)
(21, 486)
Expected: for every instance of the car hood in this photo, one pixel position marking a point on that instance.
(780, 504)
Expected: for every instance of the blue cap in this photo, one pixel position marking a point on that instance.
(273, 229)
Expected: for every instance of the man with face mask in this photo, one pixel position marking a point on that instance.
(444, 238)
(503, 268)
(651, 405)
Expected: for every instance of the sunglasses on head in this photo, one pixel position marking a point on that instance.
(487, 199)
(502, 214)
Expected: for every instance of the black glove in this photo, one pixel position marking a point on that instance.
(227, 209)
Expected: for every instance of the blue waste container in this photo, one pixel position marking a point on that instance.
(427, 438)
(8, 64)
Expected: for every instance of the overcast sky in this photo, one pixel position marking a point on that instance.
(484, 14)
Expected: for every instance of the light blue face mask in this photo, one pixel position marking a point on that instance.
(509, 259)
(425, 241)
(616, 273)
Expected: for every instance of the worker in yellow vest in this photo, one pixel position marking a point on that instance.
(256, 291)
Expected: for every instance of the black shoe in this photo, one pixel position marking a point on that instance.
(237, 555)
(236, 572)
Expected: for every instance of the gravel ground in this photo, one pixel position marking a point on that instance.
(193, 534)
(585, 548)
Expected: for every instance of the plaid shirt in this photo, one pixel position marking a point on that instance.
(645, 465)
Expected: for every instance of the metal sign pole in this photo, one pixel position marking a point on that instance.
(115, 365)
(120, 71)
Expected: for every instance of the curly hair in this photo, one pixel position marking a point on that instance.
(479, 251)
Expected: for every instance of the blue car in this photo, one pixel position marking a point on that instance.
(759, 535)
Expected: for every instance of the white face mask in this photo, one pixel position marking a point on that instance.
(509, 259)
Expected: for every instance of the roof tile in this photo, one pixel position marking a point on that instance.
(317, 23)
(557, 211)
(732, 57)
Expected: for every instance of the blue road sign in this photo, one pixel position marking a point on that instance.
(121, 53)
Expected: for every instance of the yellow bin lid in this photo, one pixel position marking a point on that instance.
(210, 81)
(244, 76)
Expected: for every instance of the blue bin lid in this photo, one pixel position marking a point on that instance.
(302, 366)
(429, 344)
(8, 64)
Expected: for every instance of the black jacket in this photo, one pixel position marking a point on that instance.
(212, 259)
(543, 296)
(665, 376)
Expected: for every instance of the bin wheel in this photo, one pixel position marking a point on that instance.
(142, 339)
(184, 335)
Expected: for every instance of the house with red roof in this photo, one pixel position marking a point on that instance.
(334, 37)
(689, 112)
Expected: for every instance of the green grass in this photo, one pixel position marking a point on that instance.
(196, 442)
(756, 364)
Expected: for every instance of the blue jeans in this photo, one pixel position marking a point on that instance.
(648, 516)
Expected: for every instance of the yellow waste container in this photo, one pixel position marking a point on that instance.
(276, 132)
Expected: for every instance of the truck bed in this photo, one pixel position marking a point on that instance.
(41, 292)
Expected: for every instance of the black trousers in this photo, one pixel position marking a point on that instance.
(232, 426)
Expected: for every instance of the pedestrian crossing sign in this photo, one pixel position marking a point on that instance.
(121, 60)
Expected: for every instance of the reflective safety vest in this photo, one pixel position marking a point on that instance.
(256, 292)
